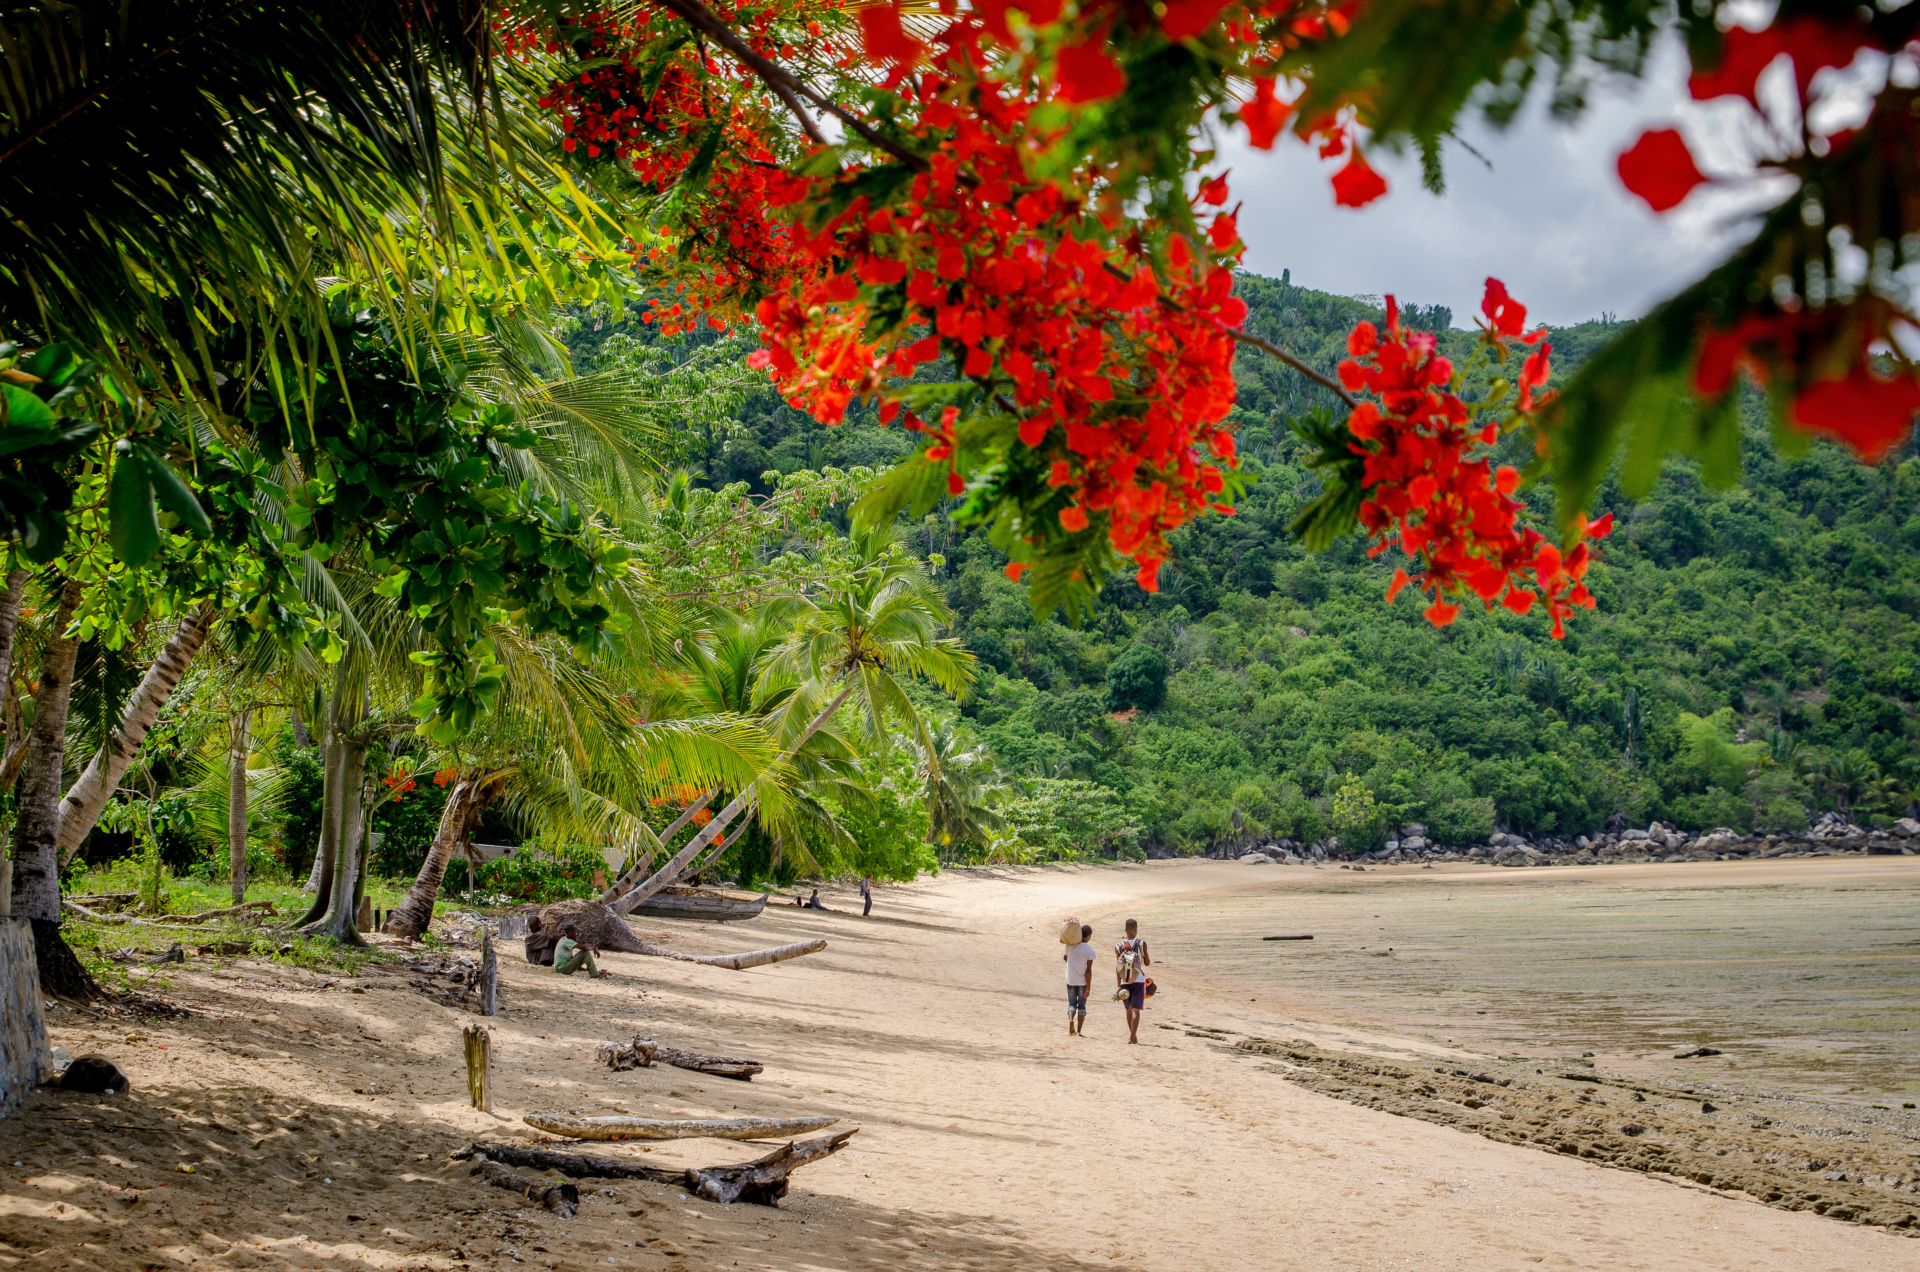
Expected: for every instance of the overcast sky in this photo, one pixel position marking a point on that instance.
(1550, 218)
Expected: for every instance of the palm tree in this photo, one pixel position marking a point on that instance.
(564, 752)
(961, 787)
(1847, 776)
(173, 169)
(875, 620)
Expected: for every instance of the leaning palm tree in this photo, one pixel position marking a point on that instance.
(874, 622)
(564, 752)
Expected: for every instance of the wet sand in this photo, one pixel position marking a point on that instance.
(319, 1121)
(1804, 972)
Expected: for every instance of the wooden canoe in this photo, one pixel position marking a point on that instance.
(673, 902)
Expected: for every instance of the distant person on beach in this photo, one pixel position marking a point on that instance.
(813, 902)
(1132, 961)
(866, 895)
(1079, 959)
(569, 956)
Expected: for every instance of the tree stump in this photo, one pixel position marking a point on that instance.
(479, 1045)
(363, 918)
(489, 977)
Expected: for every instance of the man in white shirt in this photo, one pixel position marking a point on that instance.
(1079, 980)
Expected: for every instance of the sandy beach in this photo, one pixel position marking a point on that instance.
(1290, 1113)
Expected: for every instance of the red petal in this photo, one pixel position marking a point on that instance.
(1357, 185)
(1185, 19)
(1868, 414)
(1660, 169)
(885, 40)
(1087, 74)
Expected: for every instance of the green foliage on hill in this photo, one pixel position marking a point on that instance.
(1753, 661)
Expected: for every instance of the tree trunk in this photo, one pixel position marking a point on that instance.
(239, 740)
(9, 620)
(762, 1181)
(89, 795)
(642, 1053)
(415, 914)
(736, 962)
(632, 876)
(337, 921)
(320, 882)
(36, 865)
(10, 750)
(649, 1128)
(668, 873)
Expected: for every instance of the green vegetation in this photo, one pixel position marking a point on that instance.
(1753, 660)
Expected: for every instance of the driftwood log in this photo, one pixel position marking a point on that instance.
(1286, 938)
(561, 1198)
(740, 962)
(602, 929)
(642, 1053)
(762, 1182)
(648, 1128)
(489, 978)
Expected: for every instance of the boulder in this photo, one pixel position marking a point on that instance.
(1632, 835)
(1413, 843)
(1256, 859)
(1905, 828)
(1497, 839)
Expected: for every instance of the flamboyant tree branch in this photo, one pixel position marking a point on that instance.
(787, 86)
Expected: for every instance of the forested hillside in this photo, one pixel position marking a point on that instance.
(1754, 658)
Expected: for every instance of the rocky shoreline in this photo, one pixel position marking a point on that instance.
(1830, 836)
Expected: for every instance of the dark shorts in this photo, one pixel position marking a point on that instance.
(1136, 996)
(1076, 1000)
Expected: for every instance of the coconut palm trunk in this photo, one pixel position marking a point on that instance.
(36, 864)
(413, 915)
(336, 920)
(239, 742)
(320, 883)
(89, 795)
(9, 620)
(668, 873)
(632, 876)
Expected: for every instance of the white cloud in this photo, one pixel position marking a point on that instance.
(1549, 218)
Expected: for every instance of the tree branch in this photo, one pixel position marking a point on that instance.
(1245, 337)
(787, 86)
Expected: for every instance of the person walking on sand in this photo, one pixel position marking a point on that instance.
(1131, 964)
(1079, 959)
(866, 895)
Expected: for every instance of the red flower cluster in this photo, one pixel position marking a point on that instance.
(399, 781)
(1432, 488)
(1818, 347)
(445, 775)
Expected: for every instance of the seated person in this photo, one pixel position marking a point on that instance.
(569, 956)
(539, 944)
(813, 902)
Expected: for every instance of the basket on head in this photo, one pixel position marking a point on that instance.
(1070, 934)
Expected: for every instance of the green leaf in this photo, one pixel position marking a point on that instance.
(26, 412)
(134, 529)
(173, 493)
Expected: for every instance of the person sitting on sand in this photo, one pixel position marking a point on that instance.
(1079, 959)
(1132, 963)
(569, 956)
(539, 943)
(814, 902)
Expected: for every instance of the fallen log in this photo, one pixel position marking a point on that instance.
(68, 903)
(204, 915)
(641, 1053)
(619, 1128)
(561, 1198)
(1286, 938)
(762, 1182)
(739, 962)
